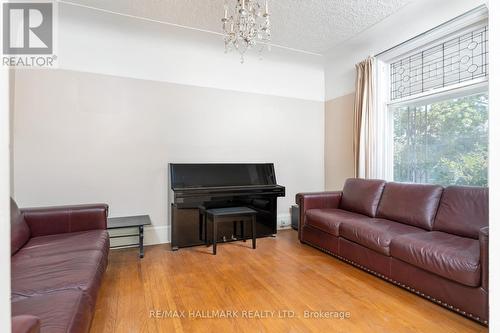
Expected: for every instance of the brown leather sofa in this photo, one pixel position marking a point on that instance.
(428, 239)
(58, 258)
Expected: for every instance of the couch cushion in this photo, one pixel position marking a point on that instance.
(463, 210)
(81, 270)
(329, 219)
(60, 312)
(450, 256)
(362, 195)
(64, 243)
(375, 234)
(19, 230)
(413, 204)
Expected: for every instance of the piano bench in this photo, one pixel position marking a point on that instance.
(229, 214)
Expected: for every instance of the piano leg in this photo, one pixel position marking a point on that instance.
(204, 226)
(254, 232)
(200, 227)
(242, 227)
(207, 243)
(214, 236)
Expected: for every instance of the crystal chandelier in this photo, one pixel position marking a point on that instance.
(247, 25)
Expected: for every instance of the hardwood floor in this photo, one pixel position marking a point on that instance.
(280, 275)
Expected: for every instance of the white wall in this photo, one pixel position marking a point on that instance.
(411, 20)
(131, 96)
(98, 42)
(4, 202)
(84, 137)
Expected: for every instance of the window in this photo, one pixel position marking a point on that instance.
(434, 98)
(444, 142)
(456, 60)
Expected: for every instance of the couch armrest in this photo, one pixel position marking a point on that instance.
(484, 253)
(25, 324)
(315, 200)
(62, 219)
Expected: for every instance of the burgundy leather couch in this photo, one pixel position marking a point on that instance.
(428, 239)
(58, 258)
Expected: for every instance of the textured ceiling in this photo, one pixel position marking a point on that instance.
(310, 25)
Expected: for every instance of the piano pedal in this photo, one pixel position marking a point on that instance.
(224, 239)
(233, 237)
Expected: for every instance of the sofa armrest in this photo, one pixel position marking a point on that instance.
(316, 200)
(25, 324)
(484, 253)
(63, 219)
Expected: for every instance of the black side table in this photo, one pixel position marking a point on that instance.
(130, 222)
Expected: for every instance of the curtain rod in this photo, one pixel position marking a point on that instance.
(477, 9)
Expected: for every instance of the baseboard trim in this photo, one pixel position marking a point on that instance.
(284, 221)
(154, 235)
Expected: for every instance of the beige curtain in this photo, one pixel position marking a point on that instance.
(364, 104)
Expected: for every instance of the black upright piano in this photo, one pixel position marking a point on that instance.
(220, 185)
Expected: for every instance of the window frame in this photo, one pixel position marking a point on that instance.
(383, 100)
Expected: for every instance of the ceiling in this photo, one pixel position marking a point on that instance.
(314, 26)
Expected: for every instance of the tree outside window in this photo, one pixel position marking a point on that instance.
(442, 143)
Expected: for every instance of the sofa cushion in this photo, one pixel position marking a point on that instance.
(19, 230)
(68, 270)
(60, 312)
(362, 195)
(413, 204)
(463, 210)
(64, 243)
(374, 233)
(450, 256)
(328, 219)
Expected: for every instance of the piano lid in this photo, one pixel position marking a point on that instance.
(221, 175)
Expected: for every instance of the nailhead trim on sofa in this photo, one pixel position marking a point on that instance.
(484, 322)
